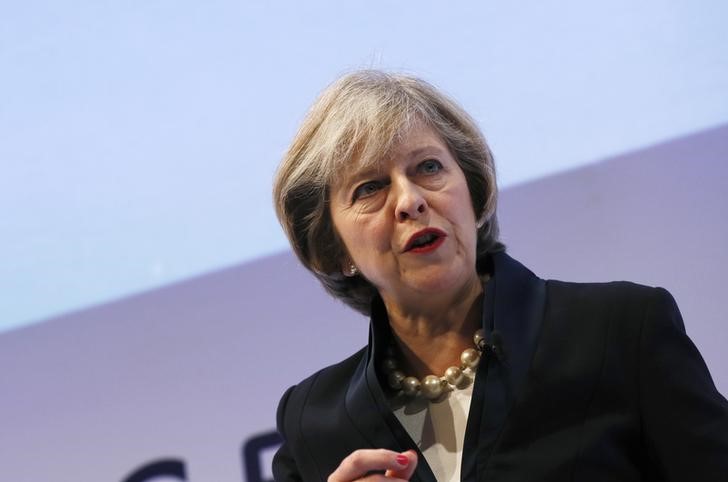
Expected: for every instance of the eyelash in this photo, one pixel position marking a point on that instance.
(359, 191)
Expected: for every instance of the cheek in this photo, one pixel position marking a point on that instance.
(467, 232)
(463, 218)
(365, 236)
(345, 231)
(375, 236)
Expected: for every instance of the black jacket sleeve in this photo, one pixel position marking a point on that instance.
(284, 466)
(684, 417)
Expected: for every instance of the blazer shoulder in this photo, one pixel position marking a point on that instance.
(316, 395)
(624, 306)
(336, 372)
(331, 380)
(601, 290)
(624, 296)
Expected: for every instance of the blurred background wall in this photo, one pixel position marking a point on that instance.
(150, 308)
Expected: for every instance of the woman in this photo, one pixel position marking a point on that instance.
(475, 369)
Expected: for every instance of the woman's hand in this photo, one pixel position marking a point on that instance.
(367, 464)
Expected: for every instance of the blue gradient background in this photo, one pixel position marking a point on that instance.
(138, 139)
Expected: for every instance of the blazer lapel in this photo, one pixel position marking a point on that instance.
(518, 300)
(367, 404)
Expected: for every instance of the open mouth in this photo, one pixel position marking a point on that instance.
(425, 240)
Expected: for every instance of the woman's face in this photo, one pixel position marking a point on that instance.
(409, 226)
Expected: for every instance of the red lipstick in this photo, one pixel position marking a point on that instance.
(425, 241)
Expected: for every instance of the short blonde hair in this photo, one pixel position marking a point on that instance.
(358, 120)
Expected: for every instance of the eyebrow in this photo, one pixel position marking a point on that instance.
(424, 149)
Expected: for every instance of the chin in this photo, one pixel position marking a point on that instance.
(439, 282)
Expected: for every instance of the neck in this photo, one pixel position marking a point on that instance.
(430, 338)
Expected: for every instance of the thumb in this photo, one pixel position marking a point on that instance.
(408, 466)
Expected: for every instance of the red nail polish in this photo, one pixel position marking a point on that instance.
(402, 460)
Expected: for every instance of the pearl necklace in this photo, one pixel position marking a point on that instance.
(432, 386)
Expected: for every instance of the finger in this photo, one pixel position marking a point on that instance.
(381, 478)
(363, 461)
(406, 471)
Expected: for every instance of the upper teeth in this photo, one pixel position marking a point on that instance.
(424, 239)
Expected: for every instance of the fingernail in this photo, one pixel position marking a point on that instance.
(402, 460)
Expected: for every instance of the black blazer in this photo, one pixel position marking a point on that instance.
(597, 382)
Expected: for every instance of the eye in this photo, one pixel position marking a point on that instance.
(430, 166)
(366, 189)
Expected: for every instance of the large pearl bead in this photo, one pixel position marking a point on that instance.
(431, 387)
(454, 376)
(470, 358)
(395, 379)
(479, 338)
(410, 386)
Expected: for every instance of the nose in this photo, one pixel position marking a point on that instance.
(410, 203)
